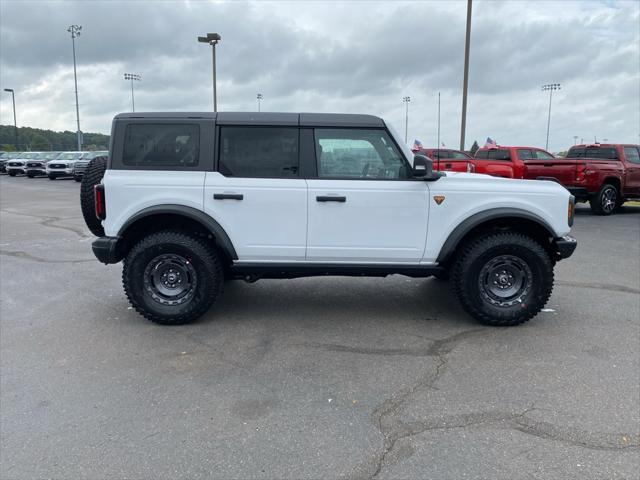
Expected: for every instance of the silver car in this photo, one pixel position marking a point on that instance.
(38, 166)
(16, 165)
(62, 166)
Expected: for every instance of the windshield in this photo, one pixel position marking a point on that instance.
(48, 155)
(69, 156)
(30, 155)
(92, 155)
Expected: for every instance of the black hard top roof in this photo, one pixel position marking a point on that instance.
(268, 118)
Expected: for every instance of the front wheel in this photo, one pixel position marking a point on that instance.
(77, 178)
(606, 200)
(31, 175)
(503, 279)
(172, 278)
(51, 177)
(12, 174)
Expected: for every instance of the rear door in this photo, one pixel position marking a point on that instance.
(632, 157)
(363, 205)
(256, 193)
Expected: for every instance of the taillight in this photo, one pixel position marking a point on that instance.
(570, 210)
(98, 195)
(581, 172)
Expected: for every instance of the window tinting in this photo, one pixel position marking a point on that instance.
(263, 152)
(358, 153)
(604, 153)
(494, 154)
(631, 154)
(525, 154)
(482, 154)
(161, 145)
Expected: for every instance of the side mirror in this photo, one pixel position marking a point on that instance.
(423, 168)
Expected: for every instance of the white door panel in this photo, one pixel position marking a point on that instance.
(380, 221)
(269, 223)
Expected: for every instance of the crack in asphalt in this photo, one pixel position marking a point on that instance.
(48, 221)
(386, 415)
(599, 286)
(33, 258)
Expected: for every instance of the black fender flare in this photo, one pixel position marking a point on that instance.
(219, 234)
(473, 221)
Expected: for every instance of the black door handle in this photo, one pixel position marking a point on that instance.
(228, 196)
(330, 198)
(548, 164)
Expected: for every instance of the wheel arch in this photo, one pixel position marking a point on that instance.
(497, 219)
(165, 217)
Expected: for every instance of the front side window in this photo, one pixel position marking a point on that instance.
(542, 155)
(161, 145)
(262, 152)
(358, 153)
(524, 154)
(631, 154)
(459, 155)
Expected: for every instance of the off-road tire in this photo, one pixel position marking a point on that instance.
(12, 174)
(202, 258)
(469, 283)
(601, 202)
(443, 276)
(92, 177)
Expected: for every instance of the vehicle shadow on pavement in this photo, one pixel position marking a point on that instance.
(339, 299)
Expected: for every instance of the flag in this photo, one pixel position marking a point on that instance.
(490, 143)
(417, 145)
(443, 144)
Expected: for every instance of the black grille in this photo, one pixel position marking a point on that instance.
(34, 164)
(16, 164)
(57, 165)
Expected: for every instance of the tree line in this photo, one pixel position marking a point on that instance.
(36, 139)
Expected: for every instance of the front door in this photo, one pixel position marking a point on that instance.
(256, 194)
(363, 205)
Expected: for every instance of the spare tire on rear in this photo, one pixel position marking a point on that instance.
(92, 177)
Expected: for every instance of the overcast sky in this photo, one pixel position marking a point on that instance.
(334, 57)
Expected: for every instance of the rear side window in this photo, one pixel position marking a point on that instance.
(161, 145)
(264, 152)
(494, 154)
(482, 154)
(631, 154)
(604, 153)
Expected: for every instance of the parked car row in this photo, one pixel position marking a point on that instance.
(50, 164)
(605, 175)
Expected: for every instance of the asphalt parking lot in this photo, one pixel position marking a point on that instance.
(310, 378)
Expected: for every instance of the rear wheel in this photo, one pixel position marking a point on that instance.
(503, 279)
(172, 278)
(92, 177)
(606, 200)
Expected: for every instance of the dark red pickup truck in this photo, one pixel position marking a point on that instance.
(606, 175)
(449, 160)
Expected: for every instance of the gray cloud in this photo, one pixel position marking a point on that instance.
(334, 56)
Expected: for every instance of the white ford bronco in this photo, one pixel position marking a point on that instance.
(189, 200)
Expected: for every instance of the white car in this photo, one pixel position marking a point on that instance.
(189, 199)
(63, 165)
(16, 166)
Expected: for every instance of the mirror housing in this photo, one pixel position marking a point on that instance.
(423, 168)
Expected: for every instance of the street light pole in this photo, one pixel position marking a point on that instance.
(212, 39)
(406, 101)
(75, 32)
(465, 84)
(549, 87)
(15, 123)
(575, 139)
(132, 77)
(259, 97)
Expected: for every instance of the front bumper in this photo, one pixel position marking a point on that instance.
(59, 172)
(564, 246)
(36, 170)
(106, 250)
(18, 170)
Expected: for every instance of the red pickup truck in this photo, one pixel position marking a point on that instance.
(450, 160)
(606, 175)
